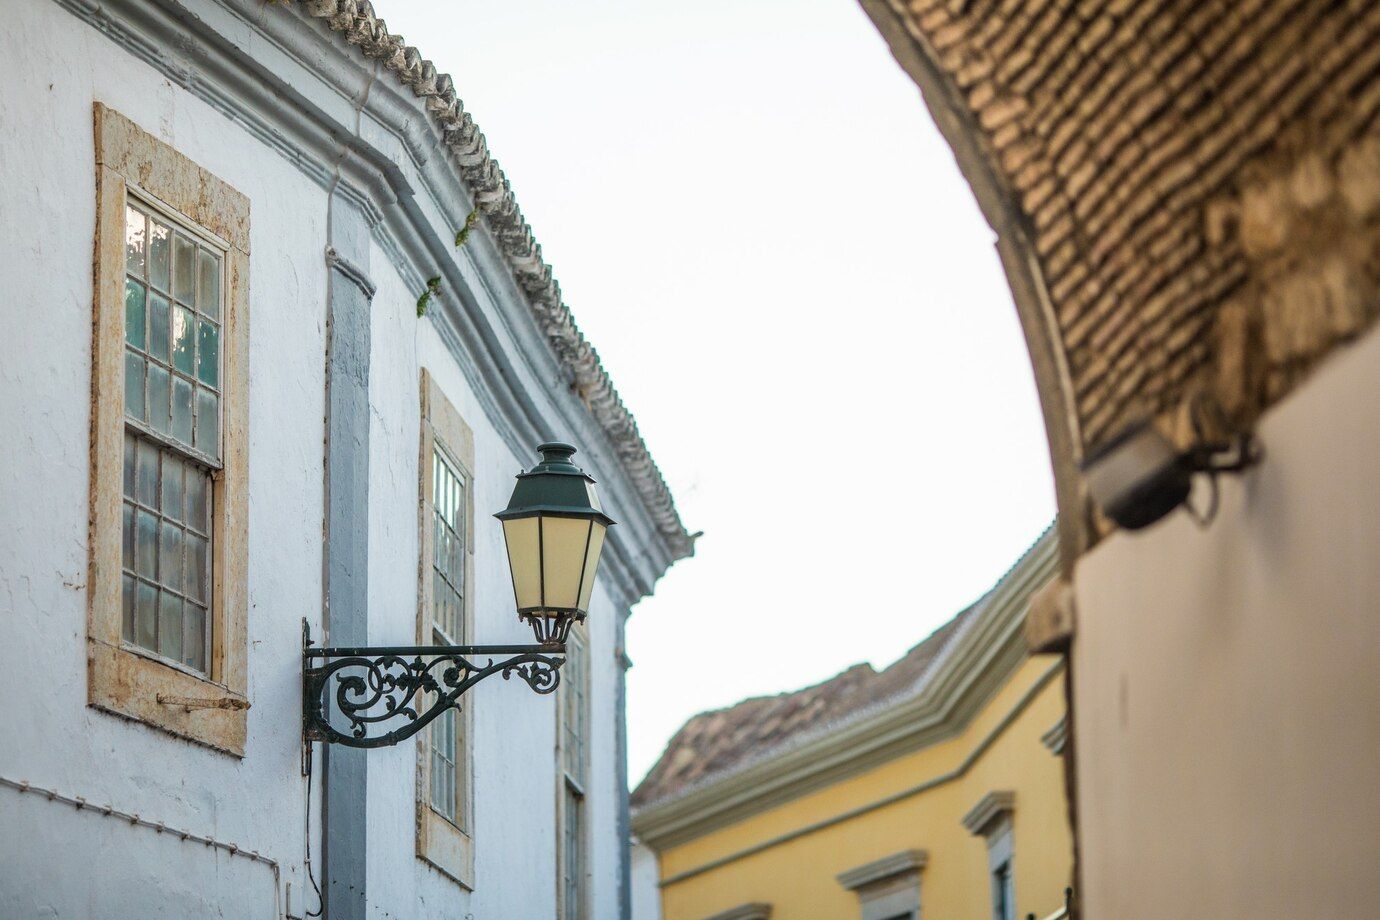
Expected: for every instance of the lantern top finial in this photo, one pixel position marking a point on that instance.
(555, 458)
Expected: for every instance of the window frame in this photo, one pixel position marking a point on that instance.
(570, 787)
(446, 845)
(208, 708)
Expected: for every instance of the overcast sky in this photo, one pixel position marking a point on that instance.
(755, 221)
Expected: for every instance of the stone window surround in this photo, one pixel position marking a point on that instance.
(205, 708)
(755, 910)
(991, 818)
(441, 843)
(568, 785)
(888, 887)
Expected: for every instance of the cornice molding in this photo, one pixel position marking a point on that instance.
(990, 809)
(884, 869)
(757, 910)
(978, 660)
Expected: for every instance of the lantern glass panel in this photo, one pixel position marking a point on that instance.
(524, 556)
(596, 545)
(565, 541)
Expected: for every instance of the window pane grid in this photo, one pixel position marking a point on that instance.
(172, 332)
(448, 793)
(172, 436)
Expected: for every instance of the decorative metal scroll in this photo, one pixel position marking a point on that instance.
(409, 687)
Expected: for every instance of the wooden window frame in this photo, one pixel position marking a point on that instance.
(440, 842)
(210, 708)
(566, 784)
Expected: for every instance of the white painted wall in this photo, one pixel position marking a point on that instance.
(58, 862)
(1227, 688)
(646, 878)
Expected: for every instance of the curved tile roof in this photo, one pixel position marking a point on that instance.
(356, 21)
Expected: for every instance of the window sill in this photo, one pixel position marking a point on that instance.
(445, 847)
(128, 684)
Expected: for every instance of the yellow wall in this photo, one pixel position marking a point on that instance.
(798, 876)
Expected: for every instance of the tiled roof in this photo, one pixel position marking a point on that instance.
(356, 21)
(714, 744)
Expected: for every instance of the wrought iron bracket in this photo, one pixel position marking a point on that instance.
(374, 687)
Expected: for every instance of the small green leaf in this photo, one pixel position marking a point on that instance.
(464, 233)
(433, 285)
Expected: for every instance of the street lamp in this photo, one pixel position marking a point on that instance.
(554, 530)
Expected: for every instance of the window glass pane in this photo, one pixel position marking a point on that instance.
(183, 331)
(127, 537)
(129, 465)
(172, 488)
(134, 313)
(146, 545)
(207, 422)
(146, 478)
(146, 616)
(182, 410)
(208, 287)
(134, 387)
(135, 242)
(170, 626)
(208, 353)
(184, 269)
(198, 568)
(158, 327)
(128, 597)
(198, 494)
(160, 238)
(195, 638)
(170, 557)
(158, 398)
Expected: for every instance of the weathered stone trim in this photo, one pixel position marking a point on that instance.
(983, 817)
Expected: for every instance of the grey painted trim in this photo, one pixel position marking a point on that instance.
(979, 659)
(293, 85)
(888, 867)
(757, 910)
(351, 273)
(1058, 734)
(957, 773)
(623, 819)
(984, 818)
(345, 808)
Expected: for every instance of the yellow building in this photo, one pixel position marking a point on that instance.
(932, 789)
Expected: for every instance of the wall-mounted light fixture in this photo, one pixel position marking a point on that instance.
(1138, 476)
(554, 530)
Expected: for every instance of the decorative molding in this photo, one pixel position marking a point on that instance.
(757, 910)
(978, 660)
(985, 816)
(1054, 738)
(907, 862)
(351, 272)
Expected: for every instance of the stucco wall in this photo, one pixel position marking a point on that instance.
(56, 861)
(798, 877)
(1226, 681)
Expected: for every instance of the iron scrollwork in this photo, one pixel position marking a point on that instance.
(406, 686)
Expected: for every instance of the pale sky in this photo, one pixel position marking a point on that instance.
(756, 223)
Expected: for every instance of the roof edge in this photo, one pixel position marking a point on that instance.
(356, 21)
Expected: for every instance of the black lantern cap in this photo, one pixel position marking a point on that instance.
(555, 486)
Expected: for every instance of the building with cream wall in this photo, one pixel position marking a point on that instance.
(328, 167)
(934, 788)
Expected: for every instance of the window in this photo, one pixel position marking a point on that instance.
(573, 744)
(888, 888)
(166, 621)
(172, 435)
(991, 818)
(444, 617)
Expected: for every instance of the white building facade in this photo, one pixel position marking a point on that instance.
(228, 420)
